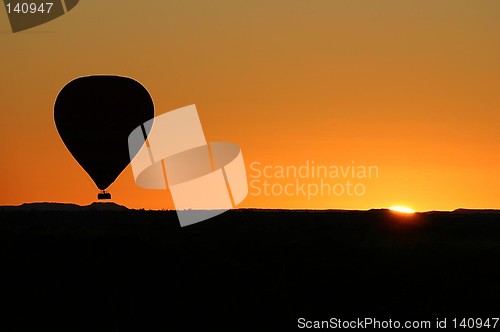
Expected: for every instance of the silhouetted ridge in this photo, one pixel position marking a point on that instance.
(47, 206)
(476, 211)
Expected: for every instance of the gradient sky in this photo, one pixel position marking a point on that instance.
(409, 86)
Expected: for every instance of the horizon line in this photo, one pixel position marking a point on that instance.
(249, 208)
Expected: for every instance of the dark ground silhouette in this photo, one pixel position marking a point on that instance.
(100, 270)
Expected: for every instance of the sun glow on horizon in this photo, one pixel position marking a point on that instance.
(402, 209)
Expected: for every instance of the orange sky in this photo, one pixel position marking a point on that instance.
(409, 86)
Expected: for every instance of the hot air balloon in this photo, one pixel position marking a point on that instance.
(94, 116)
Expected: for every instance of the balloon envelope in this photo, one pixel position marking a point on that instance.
(94, 116)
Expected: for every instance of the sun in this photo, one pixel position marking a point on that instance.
(402, 209)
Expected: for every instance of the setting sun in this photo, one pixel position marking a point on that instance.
(401, 209)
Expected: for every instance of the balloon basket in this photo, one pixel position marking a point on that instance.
(103, 195)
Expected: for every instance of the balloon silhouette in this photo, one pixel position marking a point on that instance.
(94, 116)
